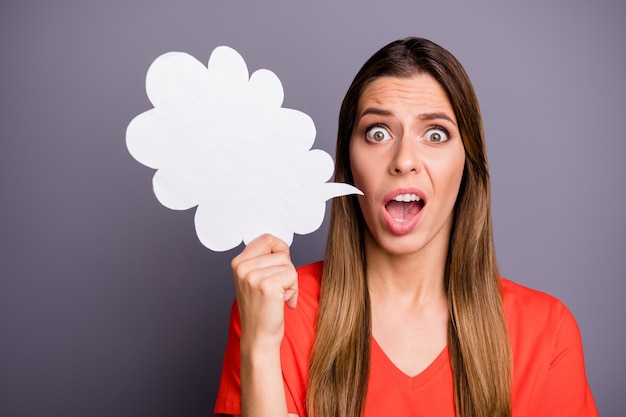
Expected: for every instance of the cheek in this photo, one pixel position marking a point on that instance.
(455, 174)
(449, 175)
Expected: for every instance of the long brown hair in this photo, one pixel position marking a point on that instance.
(478, 341)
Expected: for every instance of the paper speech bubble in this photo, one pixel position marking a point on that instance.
(220, 140)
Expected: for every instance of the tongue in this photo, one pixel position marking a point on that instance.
(402, 211)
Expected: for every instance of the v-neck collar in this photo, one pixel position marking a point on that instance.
(380, 358)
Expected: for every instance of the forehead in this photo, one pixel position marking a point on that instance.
(420, 91)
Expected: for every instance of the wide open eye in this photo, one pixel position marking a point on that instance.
(378, 134)
(436, 135)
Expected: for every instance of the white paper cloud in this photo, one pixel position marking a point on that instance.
(221, 141)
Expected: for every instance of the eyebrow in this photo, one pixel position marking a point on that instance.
(376, 111)
(436, 116)
(421, 116)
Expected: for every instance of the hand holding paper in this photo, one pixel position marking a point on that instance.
(221, 141)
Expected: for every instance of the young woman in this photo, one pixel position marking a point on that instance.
(407, 315)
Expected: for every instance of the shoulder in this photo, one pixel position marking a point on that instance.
(549, 372)
(530, 311)
(520, 299)
(537, 322)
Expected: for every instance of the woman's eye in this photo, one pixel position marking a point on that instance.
(378, 134)
(436, 135)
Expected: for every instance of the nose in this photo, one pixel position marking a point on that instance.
(406, 157)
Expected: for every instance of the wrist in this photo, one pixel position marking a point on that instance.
(262, 389)
(259, 351)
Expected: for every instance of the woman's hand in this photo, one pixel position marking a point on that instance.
(265, 279)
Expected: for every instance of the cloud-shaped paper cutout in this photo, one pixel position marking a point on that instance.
(221, 141)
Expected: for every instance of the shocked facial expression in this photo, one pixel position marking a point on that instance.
(407, 157)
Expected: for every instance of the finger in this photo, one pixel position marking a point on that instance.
(291, 297)
(273, 274)
(261, 246)
(266, 244)
(245, 267)
(264, 258)
(290, 294)
(274, 281)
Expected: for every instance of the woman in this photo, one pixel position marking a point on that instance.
(407, 314)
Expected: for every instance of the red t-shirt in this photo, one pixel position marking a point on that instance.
(548, 369)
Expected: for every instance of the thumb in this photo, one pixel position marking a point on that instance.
(291, 297)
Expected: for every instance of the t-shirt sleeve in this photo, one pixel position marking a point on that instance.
(566, 391)
(229, 393)
(228, 400)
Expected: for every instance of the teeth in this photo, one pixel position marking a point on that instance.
(407, 198)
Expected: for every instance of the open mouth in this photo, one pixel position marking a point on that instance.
(404, 207)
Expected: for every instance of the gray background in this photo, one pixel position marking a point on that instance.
(109, 305)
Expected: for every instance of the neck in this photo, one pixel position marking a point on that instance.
(415, 278)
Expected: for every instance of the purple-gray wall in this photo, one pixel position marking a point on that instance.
(109, 305)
